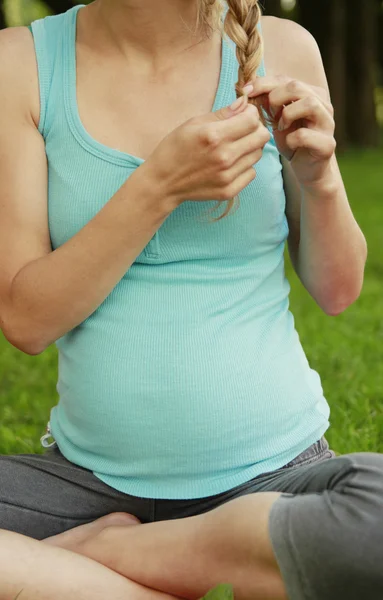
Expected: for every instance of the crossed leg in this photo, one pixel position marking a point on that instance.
(187, 557)
(324, 540)
(30, 570)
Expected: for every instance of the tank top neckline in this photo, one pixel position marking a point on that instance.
(222, 97)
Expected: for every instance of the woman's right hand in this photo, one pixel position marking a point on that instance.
(211, 156)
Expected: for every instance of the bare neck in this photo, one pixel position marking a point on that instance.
(153, 29)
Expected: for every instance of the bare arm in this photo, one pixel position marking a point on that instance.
(45, 293)
(326, 246)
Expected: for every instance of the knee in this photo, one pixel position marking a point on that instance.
(363, 496)
(345, 527)
(366, 481)
(371, 460)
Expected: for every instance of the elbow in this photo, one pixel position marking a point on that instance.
(31, 349)
(335, 310)
(26, 346)
(335, 303)
(344, 290)
(21, 341)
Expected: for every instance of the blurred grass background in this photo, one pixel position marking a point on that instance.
(347, 350)
(20, 12)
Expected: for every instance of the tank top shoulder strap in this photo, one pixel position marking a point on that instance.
(48, 36)
(261, 69)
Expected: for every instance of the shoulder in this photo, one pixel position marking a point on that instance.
(18, 73)
(289, 49)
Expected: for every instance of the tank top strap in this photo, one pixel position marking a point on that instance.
(48, 35)
(261, 69)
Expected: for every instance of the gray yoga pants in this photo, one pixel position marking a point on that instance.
(326, 528)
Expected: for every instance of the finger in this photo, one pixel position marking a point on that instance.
(320, 145)
(245, 163)
(309, 108)
(227, 112)
(265, 85)
(230, 154)
(291, 90)
(288, 93)
(236, 185)
(250, 143)
(239, 126)
(241, 166)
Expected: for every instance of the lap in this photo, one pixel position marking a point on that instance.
(314, 471)
(42, 495)
(45, 494)
(296, 477)
(357, 473)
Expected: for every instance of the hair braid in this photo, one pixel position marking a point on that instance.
(209, 14)
(241, 25)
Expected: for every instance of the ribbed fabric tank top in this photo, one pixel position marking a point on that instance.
(189, 379)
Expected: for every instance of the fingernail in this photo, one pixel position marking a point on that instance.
(281, 125)
(237, 103)
(248, 89)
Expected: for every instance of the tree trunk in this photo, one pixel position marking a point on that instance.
(336, 68)
(273, 7)
(380, 40)
(2, 15)
(314, 16)
(362, 58)
(326, 21)
(60, 6)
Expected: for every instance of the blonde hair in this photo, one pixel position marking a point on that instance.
(241, 25)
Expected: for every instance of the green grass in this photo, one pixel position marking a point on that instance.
(346, 350)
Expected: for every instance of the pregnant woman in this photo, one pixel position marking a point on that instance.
(188, 442)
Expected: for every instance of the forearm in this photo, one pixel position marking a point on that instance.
(332, 249)
(55, 293)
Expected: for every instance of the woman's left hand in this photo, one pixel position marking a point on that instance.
(305, 134)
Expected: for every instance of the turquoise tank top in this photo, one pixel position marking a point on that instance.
(189, 379)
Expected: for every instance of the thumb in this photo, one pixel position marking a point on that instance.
(230, 111)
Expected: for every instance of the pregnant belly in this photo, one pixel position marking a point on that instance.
(159, 393)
